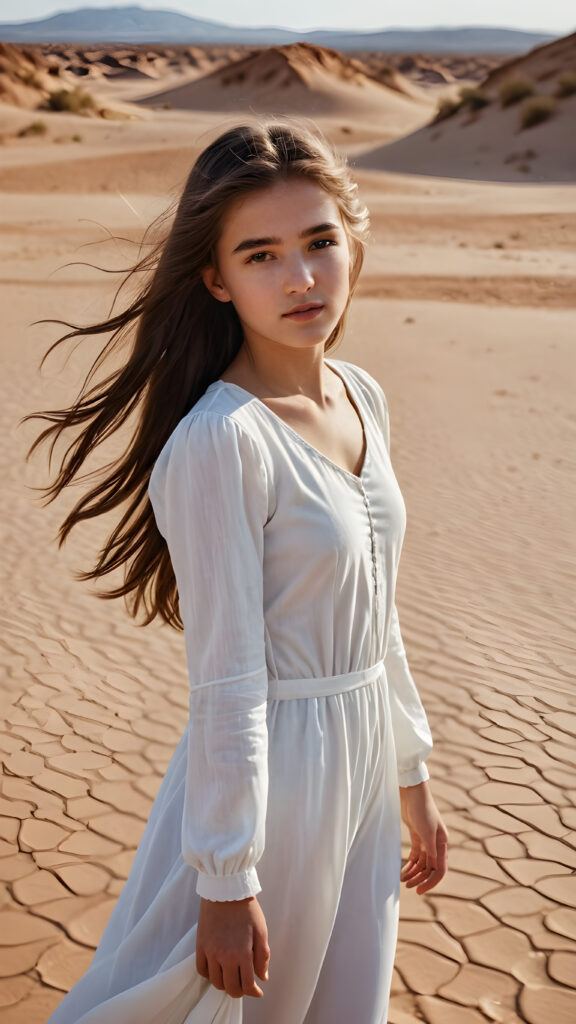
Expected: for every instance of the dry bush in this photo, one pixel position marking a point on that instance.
(537, 110)
(446, 108)
(34, 128)
(513, 90)
(566, 84)
(73, 101)
(473, 98)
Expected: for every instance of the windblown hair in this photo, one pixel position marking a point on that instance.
(183, 341)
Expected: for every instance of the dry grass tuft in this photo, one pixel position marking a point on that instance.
(566, 85)
(34, 128)
(537, 110)
(513, 90)
(74, 101)
(473, 98)
(446, 108)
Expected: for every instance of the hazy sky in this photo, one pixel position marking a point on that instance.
(556, 16)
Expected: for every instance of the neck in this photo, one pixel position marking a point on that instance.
(281, 375)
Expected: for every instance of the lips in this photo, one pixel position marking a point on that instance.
(303, 309)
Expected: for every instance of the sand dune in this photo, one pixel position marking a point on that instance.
(299, 78)
(23, 75)
(30, 74)
(543, 65)
(490, 142)
(487, 145)
(465, 313)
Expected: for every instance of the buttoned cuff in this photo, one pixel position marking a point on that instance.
(414, 776)
(228, 887)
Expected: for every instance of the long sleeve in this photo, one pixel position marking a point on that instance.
(209, 496)
(412, 735)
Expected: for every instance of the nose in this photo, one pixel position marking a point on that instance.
(298, 275)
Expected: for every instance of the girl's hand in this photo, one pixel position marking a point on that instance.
(427, 862)
(232, 946)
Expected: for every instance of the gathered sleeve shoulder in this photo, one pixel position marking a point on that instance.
(208, 490)
(412, 734)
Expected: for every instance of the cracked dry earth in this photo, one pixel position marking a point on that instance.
(93, 706)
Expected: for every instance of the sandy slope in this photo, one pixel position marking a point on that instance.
(542, 65)
(491, 143)
(465, 313)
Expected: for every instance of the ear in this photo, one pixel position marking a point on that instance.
(214, 284)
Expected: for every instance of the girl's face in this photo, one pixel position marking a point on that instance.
(281, 247)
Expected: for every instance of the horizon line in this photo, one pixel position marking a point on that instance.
(288, 28)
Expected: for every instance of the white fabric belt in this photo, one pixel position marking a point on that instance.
(323, 686)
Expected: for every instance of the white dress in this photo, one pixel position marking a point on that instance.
(304, 719)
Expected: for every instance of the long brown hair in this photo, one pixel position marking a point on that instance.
(184, 340)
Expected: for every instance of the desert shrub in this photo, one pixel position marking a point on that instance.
(513, 90)
(34, 128)
(237, 77)
(76, 138)
(446, 108)
(54, 69)
(566, 84)
(473, 98)
(71, 100)
(537, 110)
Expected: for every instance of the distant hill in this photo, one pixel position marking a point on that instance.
(434, 40)
(140, 25)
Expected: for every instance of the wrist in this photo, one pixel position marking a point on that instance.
(228, 888)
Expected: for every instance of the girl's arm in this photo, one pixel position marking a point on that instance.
(412, 735)
(209, 494)
(427, 862)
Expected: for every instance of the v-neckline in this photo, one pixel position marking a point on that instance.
(353, 398)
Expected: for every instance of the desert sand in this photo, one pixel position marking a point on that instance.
(491, 142)
(465, 314)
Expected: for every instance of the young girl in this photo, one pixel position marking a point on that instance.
(263, 515)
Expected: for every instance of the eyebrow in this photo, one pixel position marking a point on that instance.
(256, 243)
